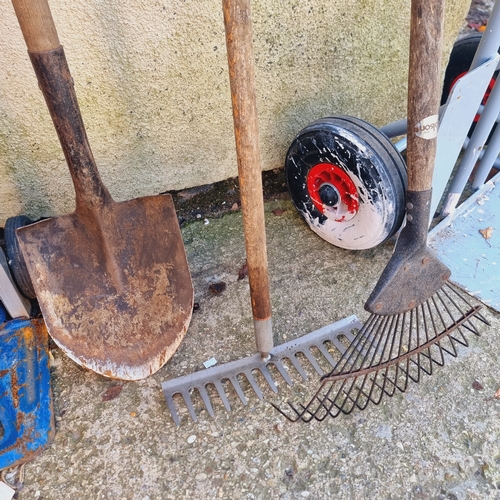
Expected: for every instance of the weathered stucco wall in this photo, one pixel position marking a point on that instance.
(151, 78)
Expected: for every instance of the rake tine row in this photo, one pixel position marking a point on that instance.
(378, 362)
(247, 369)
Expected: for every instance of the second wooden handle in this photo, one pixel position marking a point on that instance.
(424, 90)
(37, 25)
(238, 25)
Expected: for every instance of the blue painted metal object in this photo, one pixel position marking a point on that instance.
(3, 313)
(468, 242)
(26, 415)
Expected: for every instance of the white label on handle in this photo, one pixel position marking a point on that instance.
(428, 127)
(6, 492)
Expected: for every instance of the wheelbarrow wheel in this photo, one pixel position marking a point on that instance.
(348, 182)
(15, 257)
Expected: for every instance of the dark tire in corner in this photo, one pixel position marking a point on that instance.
(461, 57)
(348, 182)
(15, 257)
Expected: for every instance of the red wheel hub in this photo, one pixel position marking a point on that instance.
(328, 175)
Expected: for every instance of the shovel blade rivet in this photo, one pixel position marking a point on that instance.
(425, 260)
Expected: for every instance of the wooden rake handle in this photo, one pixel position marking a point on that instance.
(424, 90)
(37, 25)
(238, 25)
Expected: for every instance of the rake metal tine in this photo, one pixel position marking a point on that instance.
(314, 414)
(375, 341)
(453, 353)
(383, 374)
(395, 381)
(360, 392)
(301, 415)
(462, 297)
(383, 387)
(347, 396)
(279, 410)
(253, 383)
(480, 317)
(238, 389)
(394, 319)
(406, 375)
(325, 397)
(326, 354)
(469, 325)
(450, 337)
(353, 348)
(342, 395)
(267, 375)
(464, 340)
(372, 324)
(222, 394)
(400, 347)
(307, 353)
(400, 321)
(296, 364)
(206, 399)
(322, 404)
(373, 350)
(282, 370)
(420, 365)
(173, 410)
(437, 345)
(373, 381)
(329, 408)
(189, 404)
(453, 301)
(419, 343)
(472, 328)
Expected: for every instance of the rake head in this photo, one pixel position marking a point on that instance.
(389, 351)
(329, 343)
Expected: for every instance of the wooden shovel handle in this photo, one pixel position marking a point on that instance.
(238, 24)
(37, 25)
(424, 90)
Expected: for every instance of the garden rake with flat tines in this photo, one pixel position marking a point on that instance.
(416, 315)
(331, 341)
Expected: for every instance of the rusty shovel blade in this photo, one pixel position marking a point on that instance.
(115, 291)
(112, 278)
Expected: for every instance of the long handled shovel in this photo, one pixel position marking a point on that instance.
(111, 278)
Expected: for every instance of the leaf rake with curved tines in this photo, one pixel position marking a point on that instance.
(416, 316)
(389, 351)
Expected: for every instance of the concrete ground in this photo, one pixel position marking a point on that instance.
(439, 440)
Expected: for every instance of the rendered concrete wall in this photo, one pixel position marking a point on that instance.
(151, 78)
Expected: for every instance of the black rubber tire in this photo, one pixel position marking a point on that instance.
(461, 57)
(15, 257)
(371, 162)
